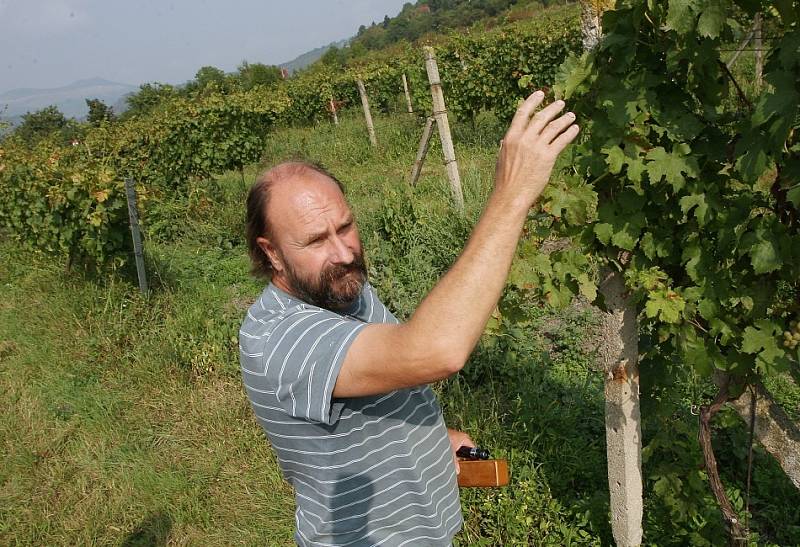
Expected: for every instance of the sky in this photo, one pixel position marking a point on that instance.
(52, 43)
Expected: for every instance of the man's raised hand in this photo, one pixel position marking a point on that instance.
(530, 147)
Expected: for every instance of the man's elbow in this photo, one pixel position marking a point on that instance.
(440, 357)
(451, 359)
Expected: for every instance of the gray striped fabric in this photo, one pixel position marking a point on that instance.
(366, 471)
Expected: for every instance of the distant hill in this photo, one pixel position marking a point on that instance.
(311, 56)
(70, 99)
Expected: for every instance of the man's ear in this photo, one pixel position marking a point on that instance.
(272, 253)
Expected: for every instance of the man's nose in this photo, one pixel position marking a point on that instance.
(342, 254)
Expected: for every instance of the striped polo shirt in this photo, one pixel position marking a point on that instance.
(366, 470)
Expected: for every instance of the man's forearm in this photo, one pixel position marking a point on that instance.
(453, 315)
(457, 308)
(444, 329)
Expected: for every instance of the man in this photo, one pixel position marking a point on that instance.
(338, 383)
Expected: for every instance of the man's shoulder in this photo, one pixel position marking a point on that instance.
(271, 303)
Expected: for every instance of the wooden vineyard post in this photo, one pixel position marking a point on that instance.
(440, 113)
(758, 43)
(367, 115)
(332, 106)
(619, 355)
(422, 151)
(743, 45)
(407, 94)
(133, 216)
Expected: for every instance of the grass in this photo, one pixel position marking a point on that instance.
(129, 425)
(109, 439)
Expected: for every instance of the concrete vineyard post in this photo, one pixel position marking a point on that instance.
(422, 151)
(133, 216)
(407, 94)
(367, 114)
(619, 357)
(440, 113)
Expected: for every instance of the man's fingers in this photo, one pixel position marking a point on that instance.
(565, 138)
(545, 116)
(525, 111)
(557, 126)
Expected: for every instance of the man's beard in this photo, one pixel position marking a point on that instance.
(335, 288)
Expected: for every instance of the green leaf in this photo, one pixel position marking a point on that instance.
(782, 100)
(713, 15)
(667, 305)
(615, 158)
(695, 351)
(757, 338)
(762, 339)
(764, 251)
(572, 74)
(687, 203)
(671, 165)
(604, 231)
(793, 195)
(708, 309)
(587, 287)
(680, 16)
(576, 203)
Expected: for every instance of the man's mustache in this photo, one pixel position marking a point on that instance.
(340, 270)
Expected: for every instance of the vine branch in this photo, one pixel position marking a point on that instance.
(739, 91)
(738, 535)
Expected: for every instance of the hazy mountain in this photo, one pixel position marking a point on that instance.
(70, 99)
(309, 57)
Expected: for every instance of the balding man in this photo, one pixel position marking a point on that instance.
(338, 383)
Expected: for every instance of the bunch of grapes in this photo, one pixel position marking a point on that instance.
(791, 337)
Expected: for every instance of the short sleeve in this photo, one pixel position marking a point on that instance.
(303, 356)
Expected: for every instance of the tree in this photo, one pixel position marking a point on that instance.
(334, 57)
(207, 75)
(5, 125)
(41, 124)
(253, 74)
(147, 98)
(99, 112)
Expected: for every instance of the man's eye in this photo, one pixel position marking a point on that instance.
(346, 227)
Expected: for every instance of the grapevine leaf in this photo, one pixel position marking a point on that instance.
(758, 338)
(615, 158)
(708, 309)
(793, 195)
(604, 231)
(572, 74)
(654, 247)
(762, 339)
(665, 304)
(712, 19)
(680, 16)
(764, 251)
(692, 255)
(623, 104)
(781, 101)
(577, 204)
(586, 287)
(695, 352)
(787, 11)
(688, 203)
(672, 166)
(680, 123)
